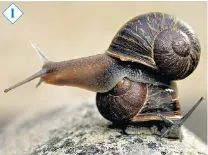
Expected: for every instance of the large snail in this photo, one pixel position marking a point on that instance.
(134, 77)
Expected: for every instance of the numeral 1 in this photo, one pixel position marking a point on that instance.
(12, 12)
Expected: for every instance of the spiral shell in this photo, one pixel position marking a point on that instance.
(131, 101)
(122, 102)
(159, 41)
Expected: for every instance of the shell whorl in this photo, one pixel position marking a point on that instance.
(122, 102)
(159, 41)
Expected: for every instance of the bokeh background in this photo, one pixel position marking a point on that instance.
(68, 30)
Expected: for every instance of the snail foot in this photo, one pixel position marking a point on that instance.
(121, 126)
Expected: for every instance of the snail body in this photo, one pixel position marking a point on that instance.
(134, 77)
(107, 70)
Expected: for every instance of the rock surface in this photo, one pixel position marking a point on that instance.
(81, 130)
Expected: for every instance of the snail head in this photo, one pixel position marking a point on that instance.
(42, 74)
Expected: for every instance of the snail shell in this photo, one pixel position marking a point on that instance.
(132, 101)
(159, 41)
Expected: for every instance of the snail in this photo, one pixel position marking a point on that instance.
(135, 77)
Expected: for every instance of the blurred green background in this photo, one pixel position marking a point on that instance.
(68, 30)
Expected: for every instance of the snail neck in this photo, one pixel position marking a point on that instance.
(99, 73)
(94, 73)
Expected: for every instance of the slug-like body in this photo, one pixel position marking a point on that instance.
(99, 73)
(134, 77)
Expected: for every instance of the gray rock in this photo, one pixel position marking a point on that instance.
(81, 130)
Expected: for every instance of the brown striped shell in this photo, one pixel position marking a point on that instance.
(159, 41)
(123, 102)
(131, 101)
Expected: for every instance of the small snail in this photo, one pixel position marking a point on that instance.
(134, 77)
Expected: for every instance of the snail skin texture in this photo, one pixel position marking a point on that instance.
(134, 77)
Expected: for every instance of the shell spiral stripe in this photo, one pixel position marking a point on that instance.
(159, 41)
